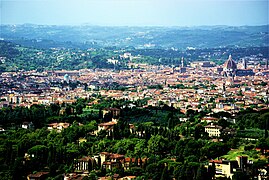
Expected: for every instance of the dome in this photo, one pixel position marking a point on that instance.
(230, 64)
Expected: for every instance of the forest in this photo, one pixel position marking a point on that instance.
(173, 149)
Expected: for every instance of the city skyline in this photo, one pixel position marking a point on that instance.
(135, 13)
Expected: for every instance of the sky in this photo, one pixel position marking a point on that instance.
(135, 12)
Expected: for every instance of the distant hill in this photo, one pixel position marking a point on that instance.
(42, 36)
(14, 57)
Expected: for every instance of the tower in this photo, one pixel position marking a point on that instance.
(173, 69)
(244, 63)
(266, 63)
(182, 62)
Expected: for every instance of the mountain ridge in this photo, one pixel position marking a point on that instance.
(139, 37)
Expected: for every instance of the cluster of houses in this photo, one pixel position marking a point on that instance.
(83, 166)
(108, 161)
(198, 87)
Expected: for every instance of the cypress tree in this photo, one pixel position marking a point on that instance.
(136, 162)
(266, 129)
(164, 174)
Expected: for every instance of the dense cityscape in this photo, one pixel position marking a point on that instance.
(183, 119)
(134, 90)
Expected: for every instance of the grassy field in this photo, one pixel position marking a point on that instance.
(88, 109)
(252, 154)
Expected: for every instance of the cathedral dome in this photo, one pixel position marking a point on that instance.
(230, 64)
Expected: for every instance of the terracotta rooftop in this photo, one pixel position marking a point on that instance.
(38, 174)
(209, 118)
(111, 123)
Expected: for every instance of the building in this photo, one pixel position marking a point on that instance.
(200, 64)
(105, 160)
(2, 129)
(224, 168)
(27, 125)
(244, 63)
(244, 72)
(229, 67)
(105, 126)
(213, 130)
(110, 161)
(38, 176)
(128, 178)
(209, 119)
(85, 164)
(219, 70)
(183, 70)
(58, 126)
(115, 112)
(66, 78)
(134, 161)
(69, 73)
(111, 165)
(227, 168)
(74, 176)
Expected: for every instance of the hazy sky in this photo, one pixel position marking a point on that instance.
(135, 12)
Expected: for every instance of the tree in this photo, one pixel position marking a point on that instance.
(202, 173)
(190, 170)
(93, 175)
(79, 107)
(137, 171)
(54, 109)
(198, 131)
(179, 149)
(240, 175)
(154, 170)
(223, 178)
(192, 147)
(171, 119)
(108, 117)
(165, 174)
(140, 148)
(39, 152)
(212, 171)
(178, 171)
(69, 109)
(157, 144)
(263, 144)
(213, 150)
